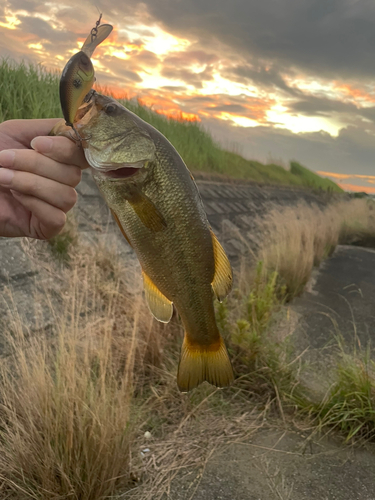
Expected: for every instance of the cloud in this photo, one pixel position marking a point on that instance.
(43, 30)
(195, 79)
(332, 38)
(352, 151)
(321, 106)
(260, 76)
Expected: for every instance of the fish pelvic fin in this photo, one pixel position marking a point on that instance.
(199, 363)
(223, 279)
(120, 226)
(160, 307)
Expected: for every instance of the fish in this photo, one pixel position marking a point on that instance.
(78, 76)
(157, 206)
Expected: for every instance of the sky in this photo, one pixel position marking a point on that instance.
(274, 80)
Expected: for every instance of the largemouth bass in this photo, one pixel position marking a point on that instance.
(156, 204)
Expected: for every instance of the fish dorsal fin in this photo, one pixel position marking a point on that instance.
(222, 282)
(159, 305)
(146, 211)
(120, 226)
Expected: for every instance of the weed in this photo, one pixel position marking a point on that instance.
(65, 416)
(261, 361)
(349, 406)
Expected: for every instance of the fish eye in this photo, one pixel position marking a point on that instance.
(110, 109)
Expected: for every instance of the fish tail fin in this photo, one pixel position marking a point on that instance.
(201, 362)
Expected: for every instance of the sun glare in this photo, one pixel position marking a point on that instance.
(280, 118)
(162, 42)
(11, 22)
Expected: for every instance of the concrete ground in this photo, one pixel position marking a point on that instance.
(278, 462)
(340, 298)
(277, 465)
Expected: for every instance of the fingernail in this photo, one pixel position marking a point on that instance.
(7, 158)
(6, 176)
(42, 144)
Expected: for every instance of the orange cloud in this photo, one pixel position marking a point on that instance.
(357, 189)
(369, 178)
(354, 93)
(166, 106)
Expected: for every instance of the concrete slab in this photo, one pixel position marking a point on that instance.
(340, 298)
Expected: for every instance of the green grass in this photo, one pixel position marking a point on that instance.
(313, 180)
(263, 363)
(349, 405)
(30, 91)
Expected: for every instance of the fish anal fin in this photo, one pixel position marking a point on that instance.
(159, 305)
(146, 211)
(199, 363)
(222, 282)
(120, 226)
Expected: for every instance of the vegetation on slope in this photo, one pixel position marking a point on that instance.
(73, 420)
(29, 91)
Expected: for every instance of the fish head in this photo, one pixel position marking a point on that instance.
(76, 81)
(115, 142)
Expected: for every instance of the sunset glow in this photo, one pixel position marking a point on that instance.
(223, 69)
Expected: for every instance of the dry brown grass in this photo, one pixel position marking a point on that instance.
(66, 421)
(299, 238)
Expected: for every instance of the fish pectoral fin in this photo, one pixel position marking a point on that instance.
(159, 305)
(120, 226)
(146, 211)
(201, 362)
(223, 279)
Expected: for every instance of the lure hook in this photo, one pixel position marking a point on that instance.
(94, 31)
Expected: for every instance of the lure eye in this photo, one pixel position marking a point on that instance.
(111, 109)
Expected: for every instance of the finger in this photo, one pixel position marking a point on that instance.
(60, 149)
(26, 130)
(27, 160)
(48, 220)
(54, 193)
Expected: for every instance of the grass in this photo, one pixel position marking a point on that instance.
(349, 404)
(65, 413)
(61, 244)
(312, 180)
(299, 238)
(29, 91)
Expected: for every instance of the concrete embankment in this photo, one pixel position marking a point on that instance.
(232, 210)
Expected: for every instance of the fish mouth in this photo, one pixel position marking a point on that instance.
(120, 173)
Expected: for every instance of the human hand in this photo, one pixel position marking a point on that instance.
(36, 185)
